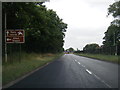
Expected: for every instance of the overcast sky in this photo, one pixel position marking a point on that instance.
(86, 20)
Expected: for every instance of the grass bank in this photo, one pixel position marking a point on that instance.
(110, 58)
(29, 62)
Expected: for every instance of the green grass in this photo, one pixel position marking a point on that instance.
(29, 62)
(110, 58)
(0, 74)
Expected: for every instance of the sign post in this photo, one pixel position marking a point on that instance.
(5, 38)
(15, 36)
(20, 53)
(118, 37)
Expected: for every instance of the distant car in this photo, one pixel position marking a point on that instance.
(67, 52)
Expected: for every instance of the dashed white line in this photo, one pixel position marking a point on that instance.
(75, 60)
(95, 75)
(108, 85)
(78, 62)
(83, 66)
(98, 78)
(102, 81)
(88, 71)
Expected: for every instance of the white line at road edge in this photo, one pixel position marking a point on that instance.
(88, 71)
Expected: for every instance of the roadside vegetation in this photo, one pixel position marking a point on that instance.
(44, 29)
(110, 58)
(29, 62)
(110, 50)
(44, 34)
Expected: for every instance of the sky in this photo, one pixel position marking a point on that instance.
(87, 20)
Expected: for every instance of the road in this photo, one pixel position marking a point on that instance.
(72, 71)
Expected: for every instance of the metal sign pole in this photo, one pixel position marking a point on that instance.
(20, 53)
(5, 38)
(116, 50)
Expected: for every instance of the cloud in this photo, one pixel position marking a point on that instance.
(79, 37)
(86, 20)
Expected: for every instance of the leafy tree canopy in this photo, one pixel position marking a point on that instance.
(91, 48)
(44, 30)
(112, 35)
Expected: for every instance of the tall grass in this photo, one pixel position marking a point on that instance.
(111, 58)
(29, 62)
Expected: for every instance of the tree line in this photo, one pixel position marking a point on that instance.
(111, 43)
(44, 29)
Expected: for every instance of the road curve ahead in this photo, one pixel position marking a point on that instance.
(72, 71)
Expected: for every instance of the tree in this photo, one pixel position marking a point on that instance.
(71, 49)
(44, 30)
(91, 48)
(112, 34)
(114, 9)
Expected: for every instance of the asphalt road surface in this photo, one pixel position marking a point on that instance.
(72, 71)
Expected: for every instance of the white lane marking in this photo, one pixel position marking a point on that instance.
(96, 76)
(78, 62)
(83, 65)
(106, 84)
(102, 81)
(75, 60)
(88, 71)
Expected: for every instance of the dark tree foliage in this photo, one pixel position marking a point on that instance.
(91, 48)
(114, 9)
(111, 43)
(71, 49)
(44, 30)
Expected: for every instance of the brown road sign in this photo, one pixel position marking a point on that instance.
(15, 36)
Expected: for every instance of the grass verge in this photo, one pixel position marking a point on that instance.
(29, 62)
(110, 58)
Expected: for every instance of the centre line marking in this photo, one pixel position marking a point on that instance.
(96, 76)
(88, 71)
(102, 81)
(78, 62)
(83, 65)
